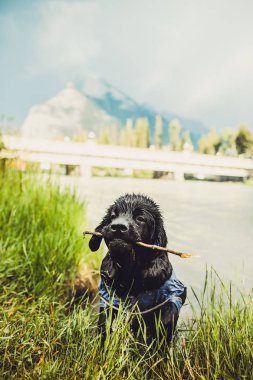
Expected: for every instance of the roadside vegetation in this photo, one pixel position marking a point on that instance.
(1, 141)
(41, 336)
(226, 142)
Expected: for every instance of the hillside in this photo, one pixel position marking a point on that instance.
(116, 103)
(91, 103)
(66, 114)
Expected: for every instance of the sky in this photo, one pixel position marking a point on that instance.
(193, 58)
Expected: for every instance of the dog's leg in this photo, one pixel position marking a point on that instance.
(102, 324)
(104, 314)
(169, 320)
(168, 317)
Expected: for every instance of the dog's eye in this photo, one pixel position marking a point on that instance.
(113, 215)
(140, 219)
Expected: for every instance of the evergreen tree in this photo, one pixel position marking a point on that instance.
(227, 138)
(243, 140)
(114, 135)
(174, 134)
(158, 140)
(81, 136)
(1, 142)
(142, 133)
(186, 142)
(214, 141)
(122, 137)
(210, 143)
(128, 137)
(104, 136)
(203, 146)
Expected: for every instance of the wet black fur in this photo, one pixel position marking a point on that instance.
(130, 269)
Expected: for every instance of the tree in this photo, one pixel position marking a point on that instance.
(128, 136)
(210, 143)
(108, 135)
(158, 140)
(80, 137)
(227, 139)
(186, 142)
(114, 134)
(243, 140)
(214, 141)
(104, 136)
(142, 133)
(203, 146)
(1, 142)
(174, 134)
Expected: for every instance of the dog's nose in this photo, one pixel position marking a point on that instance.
(119, 225)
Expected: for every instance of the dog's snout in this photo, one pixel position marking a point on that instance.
(119, 225)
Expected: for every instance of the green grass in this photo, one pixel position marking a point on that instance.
(117, 172)
(249, 181)
(41, 248)
(40, 234)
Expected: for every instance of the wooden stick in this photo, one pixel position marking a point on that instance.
(183, 255)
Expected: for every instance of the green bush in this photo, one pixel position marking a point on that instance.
(1, 142)
(41, 227)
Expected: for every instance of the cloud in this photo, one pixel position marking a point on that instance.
(202, 66)
(194, 58)
(8, 26)
(64, 39)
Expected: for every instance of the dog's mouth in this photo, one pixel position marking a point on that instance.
(120, 244)
(122, 252)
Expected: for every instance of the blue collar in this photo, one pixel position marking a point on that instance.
(172, 291)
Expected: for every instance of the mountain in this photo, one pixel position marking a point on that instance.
(119, 105)
(91, 103)
(66, 114)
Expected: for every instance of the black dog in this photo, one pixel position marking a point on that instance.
(133, 274)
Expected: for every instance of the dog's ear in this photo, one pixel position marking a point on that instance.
(95, 241)
(160, 237)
